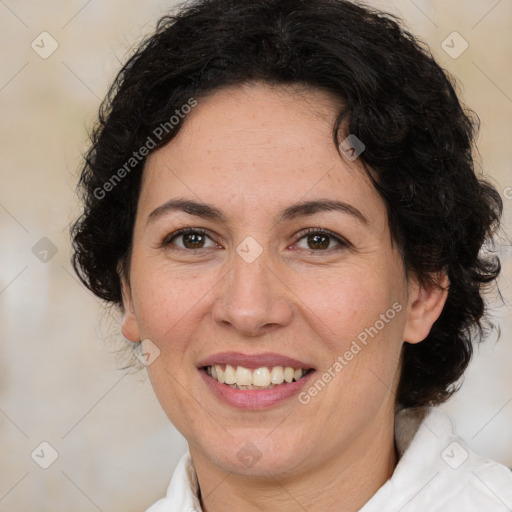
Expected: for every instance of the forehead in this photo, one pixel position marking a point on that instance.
(262, 146)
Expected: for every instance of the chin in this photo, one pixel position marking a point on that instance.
(257, 455)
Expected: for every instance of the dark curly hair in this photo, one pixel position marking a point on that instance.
(397, 100)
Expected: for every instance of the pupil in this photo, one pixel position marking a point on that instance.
(193, 240)
(319, 242)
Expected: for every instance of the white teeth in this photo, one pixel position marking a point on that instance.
(230, 375)
(289, 373)
(220, 374)
(263, 377)
(243, 376)
(277, 375)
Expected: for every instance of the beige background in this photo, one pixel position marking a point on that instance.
(59, 379)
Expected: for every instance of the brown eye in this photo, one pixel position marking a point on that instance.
(193, 240)
(318, 240)
(189, 239)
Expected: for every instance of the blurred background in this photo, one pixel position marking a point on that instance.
(77, 432)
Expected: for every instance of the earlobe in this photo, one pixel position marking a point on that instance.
(129, 326)
(425, 307)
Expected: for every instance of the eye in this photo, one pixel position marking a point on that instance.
(315, 239)
(189, 239)
(321, 240)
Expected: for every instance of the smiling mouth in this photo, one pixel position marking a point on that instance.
(239, 377)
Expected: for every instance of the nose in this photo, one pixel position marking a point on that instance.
(253, 300)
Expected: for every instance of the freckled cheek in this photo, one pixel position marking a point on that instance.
(347, 310)
(344, 302)
(168, 309)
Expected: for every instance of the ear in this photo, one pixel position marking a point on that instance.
(129, 326)
(425, 305)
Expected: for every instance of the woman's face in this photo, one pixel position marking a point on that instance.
(289, 262)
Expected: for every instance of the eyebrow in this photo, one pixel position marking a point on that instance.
(303, 208)
(311, 207)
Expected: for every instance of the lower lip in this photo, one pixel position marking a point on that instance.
(254, 399)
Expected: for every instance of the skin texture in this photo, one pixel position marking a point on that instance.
(251, 151)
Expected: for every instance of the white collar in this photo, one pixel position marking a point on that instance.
(436, 471)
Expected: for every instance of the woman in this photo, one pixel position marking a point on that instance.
(280, 197)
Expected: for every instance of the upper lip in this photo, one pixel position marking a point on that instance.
(253, 361)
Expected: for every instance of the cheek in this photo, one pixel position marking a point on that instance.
(169, 307)
(169, 311)
(359, 316)
(343, 304)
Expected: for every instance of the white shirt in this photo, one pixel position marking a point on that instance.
(436, 472)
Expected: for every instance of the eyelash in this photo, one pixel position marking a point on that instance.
(343, 243)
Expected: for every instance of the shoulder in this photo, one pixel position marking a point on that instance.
(437, 471)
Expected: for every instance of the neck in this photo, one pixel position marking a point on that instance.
(345, 482)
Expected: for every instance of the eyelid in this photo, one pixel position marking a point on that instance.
(185, 231)
(343, 242)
